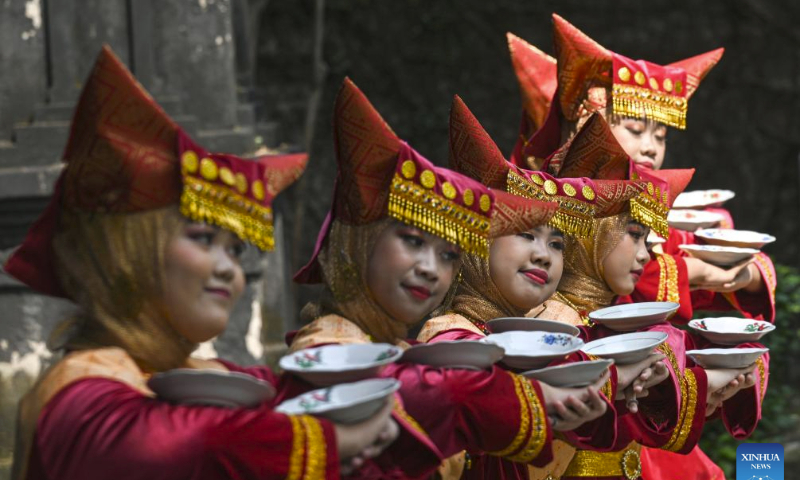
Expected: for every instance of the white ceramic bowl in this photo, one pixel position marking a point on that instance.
(726, 357)
(529, 350)
(524, 324)
(691, 220)
(734, 238)
(703, 198)
(731, 330)
(626, 348)
(654, 239)
(634, 316)
(576, 374)
(332, 364)
(188, 386)
(345, 403)
(718, 254)
(469, 354)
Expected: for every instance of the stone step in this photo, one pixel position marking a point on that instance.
(171, 104)
(237, 140)
(246, 114)
(40, 143)
(49, 112)
(269, 133)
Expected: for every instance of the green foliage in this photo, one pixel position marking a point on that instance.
(780, 419)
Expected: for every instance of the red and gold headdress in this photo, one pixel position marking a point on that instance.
(381, 176)
(536, 74)
(589, 73)
(580, 198)
(126, 155)
(594, 152)
(589, 76)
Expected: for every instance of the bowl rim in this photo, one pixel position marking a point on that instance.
(392, 385)
(287, 364)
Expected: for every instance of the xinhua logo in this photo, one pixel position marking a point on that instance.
(759, 461)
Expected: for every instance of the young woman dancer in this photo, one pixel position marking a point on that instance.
(144, 232)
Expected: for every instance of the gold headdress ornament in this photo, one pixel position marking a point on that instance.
(580, 199)
(588, 73)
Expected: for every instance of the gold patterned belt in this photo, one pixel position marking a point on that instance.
(623, 463)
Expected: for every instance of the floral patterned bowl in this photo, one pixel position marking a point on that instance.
(525, 324)
(188, 386)
(530, 350)
(332, 364)
(634, 316)
(626, 348)
(574, 374)
(726, 357)
(345, 403)
(731, 330)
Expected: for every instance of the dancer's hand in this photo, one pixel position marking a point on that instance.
(741, 382)
(569, 408)
(362, 441)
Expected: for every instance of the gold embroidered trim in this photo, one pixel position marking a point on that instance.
(623, 463)
(202, 201)
(573, 217)
(651, 213)
(685, 400)
(524, 417)
(425, 209)
(762, 376)
(679, 435)
(298, 449)
(316, 454)
(638, 102)
(765, 268)
(538, 434)
(667, 279)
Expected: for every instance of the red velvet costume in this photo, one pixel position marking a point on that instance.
(91, 415)
(380, 178)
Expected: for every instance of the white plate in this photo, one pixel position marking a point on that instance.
(188, 386)
(524, 324)
(734, 238)
(731, 330)
(332, 364)
(726, 357)
(719, 255)
(345, 403)
(634, 316)
(703, 198)
(469, 354)
(627, 348)
(654, 239)
(575, 374)
(691, 220)
(529, 350)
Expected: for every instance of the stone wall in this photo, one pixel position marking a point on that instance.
(184, 52)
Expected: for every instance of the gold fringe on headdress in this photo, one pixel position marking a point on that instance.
(573, 216)
(427, 210)
(650, 211)
(206, 202)
(640, 102)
